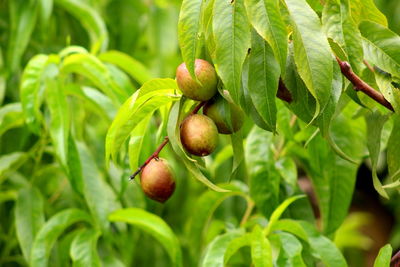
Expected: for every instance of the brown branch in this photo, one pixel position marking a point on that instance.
(283, 93)
(395, 261)
(360, 85)
(162, 145)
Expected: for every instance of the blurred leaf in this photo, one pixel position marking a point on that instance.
(31, 82)
(174, 138)
(45, 10)
(263, 80)
(236, 244)
(153, 95)
(381, 47)
(278, 212)
(311, 52)
(340, 26)
(10, 117)
(264, 177)
(154, 226)
(232, 39)
(323, 247)
(384, 256)
(261, 253)
(367, 10)
(100, 198)
(23, 20)
(29, 218)
(130, 65)
(290, 226)
(291, 249)
(205, 206)
(84, 249)
(189, 30)
(60, 119)
(266, 19)
(11, 161)
(393, 151)
(92, 68)
(215, 251)
(90, 19)
(50, 231)
(375, 122)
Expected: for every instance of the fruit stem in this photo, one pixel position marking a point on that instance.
(153, 156)
(162, 145)
(198, 107)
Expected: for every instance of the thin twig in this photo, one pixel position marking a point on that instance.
(360, 85)
(395, 261)
(162, 145)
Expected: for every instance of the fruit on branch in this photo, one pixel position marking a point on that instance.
(157, 180)
(199, 135)
(227, 116)
(207, 86)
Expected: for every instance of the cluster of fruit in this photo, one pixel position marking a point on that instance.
(198, 132)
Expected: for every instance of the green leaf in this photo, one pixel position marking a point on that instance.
(290, 226)
(232, 40)
(303, 104)
(367, 10)
(381, 47)
(189, 30)
(264, 177)
(29, 218)
(205, 206)
(98, 194)
(93, 69)
(90, 20)
(173, 130)
(23, 17)
(130, 65)
(10, 117)
(136, 141)
(59, 119)
(340, 26)
(154, 226)
(261, 253)
(391, 93)
(279, 211)
(31, 82)
(333, 179)
(50, 231)
(11, 161)
(384, 256)
(266, 19)
(375, 122)
(236, 244)
(153, 95)
(311, 52)
(291, 249)
(323, 247)
(45, 8)
(84, 249)
(215, 251)
(263, 80)
(393, 153)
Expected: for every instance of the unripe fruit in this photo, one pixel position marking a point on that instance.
(157, 180)
(207, 77)
(199, 135)
(218, 110)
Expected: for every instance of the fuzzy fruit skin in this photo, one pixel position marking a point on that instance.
(205, 73)
(217, 109)
(199, 135)
(157, 180)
